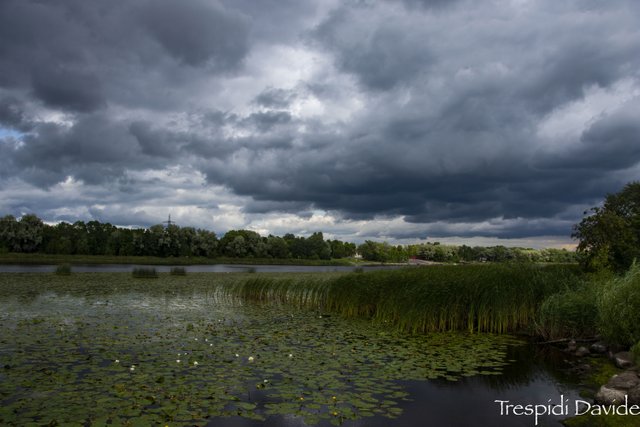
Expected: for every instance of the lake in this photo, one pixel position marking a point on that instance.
(106, 349)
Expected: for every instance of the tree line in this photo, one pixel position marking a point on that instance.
(436, 252)
(30, 234)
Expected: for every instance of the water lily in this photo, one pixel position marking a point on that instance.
(290, 355)
(237, 355)
(195, 363)
(117, 361)
(250, 359)
(132, 368)
(177, 360)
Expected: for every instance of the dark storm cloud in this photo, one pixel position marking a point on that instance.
(266, 120)
(429, 110)
(275, 98)
(72, 89)
(610, 143)
(381, 56)
(198, 32)
(12, 114)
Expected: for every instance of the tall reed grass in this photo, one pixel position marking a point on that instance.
(475, 298)
(144, 273)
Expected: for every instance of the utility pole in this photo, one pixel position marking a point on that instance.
(168, 222)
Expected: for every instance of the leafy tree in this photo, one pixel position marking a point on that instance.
(30, 231)
(8, 232)
(277, 247)
(610, 235)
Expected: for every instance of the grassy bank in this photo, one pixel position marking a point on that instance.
(22, 258)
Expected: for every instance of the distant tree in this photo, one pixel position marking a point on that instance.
(610, 235)
(9, 233)
(277, 247)
(341, 249)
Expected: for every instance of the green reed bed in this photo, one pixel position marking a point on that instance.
(144, 273)
(477, 298)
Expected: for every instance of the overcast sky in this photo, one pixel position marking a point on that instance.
(487, 122)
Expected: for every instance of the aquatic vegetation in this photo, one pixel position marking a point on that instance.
(474, 298)
(570, 313)
(63, 270)
(178, 271)
(145, 273)
(619, 308)
(101, 349)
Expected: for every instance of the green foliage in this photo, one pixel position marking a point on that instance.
(63, 270)
(145, 273)
(635, 350)
(382, 252)
(619, 308)
(569, 313)
(610, 236)
(178, 271)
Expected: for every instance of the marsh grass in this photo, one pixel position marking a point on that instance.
(475, 298)
(569, 313)
(144, 273)
(178, 271)
(619, 308)
(63, 270)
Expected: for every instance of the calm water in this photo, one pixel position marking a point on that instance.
(217, 268)
(537, 376)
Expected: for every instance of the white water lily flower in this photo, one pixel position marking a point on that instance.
(196, 339)
(177, 360)
(132, 368)
(195, 363)
(237, 355)
(210, 345)
(117, 361)
(250, 359)
(290, 355)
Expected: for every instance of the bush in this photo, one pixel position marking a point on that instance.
(145, 273)
(619, 308)
(63, 270)
(569, 314)
(635, 350)
(178, 271)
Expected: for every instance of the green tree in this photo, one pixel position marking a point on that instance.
(610, 235)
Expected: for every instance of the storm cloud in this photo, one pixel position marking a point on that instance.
(389, 119)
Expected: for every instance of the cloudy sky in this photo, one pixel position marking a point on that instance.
(493, 122)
